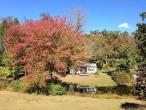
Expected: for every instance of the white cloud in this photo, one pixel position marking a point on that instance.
(124, 25)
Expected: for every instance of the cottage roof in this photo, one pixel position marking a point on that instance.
(89, 65)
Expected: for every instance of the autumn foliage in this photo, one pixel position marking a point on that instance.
(46, 44)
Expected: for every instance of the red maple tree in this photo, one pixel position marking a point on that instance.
(49, 43)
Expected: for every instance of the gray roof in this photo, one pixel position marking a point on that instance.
(89, 65)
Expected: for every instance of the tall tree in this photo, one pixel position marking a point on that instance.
(140, 38)
(109, 47)
(79, 20)
(49, 43)
(4, 26)
(76, 19)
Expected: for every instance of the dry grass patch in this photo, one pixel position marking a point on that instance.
(17, 101)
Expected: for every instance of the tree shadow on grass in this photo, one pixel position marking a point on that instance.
(133, 106)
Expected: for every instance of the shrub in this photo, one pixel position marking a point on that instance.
(22, 85)
(38, 90)
(122, 78)
(57, 89)
(9, 72)
(4, 71)
(17, 85)
(16, 72)
(123, 65)
(124, 90)
(5, 60)
(37, 84)
(99, 65)
(106, 89)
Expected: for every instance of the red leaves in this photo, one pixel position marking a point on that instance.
(35, 43)
(60, 66)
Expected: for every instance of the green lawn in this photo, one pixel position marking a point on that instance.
(91, 80)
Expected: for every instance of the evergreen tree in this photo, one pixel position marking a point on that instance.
(4, 25)
(140, 38)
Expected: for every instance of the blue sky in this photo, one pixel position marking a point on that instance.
(98, 14)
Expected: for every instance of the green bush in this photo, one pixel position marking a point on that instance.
(18, 85)
(123, 65)
(38, 90)
(16, 72)
(22, 86)
(122, 78)
(57, 89)
(5, 61)
(7, 71)
(99, 65)
(4, 71)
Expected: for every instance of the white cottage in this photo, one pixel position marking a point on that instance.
(84, 69)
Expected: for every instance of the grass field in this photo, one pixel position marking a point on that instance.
(20, 101)
(91, 80)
